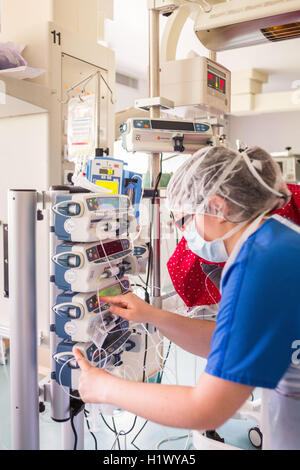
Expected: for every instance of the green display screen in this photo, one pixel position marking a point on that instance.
(110, 291)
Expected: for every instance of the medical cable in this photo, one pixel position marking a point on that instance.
(116, 433)
(172, 439)
(137, 435)
(121, 433)
(75, 409)
(75, 432)
(86, 414)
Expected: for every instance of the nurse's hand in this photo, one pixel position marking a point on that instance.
(94, 383)
(131, 308)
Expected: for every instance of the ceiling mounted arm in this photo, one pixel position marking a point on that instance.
(238, 23)
(173, 29)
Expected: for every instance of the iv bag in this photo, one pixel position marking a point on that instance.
(82, 127)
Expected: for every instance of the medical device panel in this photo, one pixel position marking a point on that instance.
(161, 135)
(106, 173)
(82, 267)
(92, 217)
(110, 173)
(107, 355)
(197, 82)
(80, 317)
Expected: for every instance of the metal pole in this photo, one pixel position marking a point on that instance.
(154, 91)
(212, 55)
(22, 210)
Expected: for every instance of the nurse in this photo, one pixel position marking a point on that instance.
(223, 200)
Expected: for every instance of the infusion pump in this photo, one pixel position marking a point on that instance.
(289, 165)
(166, 136)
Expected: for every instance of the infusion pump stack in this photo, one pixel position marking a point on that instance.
(92, 255)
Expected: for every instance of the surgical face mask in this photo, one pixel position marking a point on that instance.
(214, 251)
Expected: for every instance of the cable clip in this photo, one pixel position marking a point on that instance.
(178, 144)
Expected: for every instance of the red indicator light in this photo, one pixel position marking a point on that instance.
(210, 77)
(222, 82)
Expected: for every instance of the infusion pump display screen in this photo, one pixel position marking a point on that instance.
(104, 171)
(172, 126)
(176, 126)
(107, 203)
(216, 80)
(112, 248)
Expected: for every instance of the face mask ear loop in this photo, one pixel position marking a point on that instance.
(259, 178)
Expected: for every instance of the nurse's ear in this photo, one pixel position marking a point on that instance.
(218, 207)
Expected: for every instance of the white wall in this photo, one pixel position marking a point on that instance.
(274, 132)
(23, 158)
(128, 36)
(126, 96)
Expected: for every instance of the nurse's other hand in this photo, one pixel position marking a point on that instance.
(94, 383)
(130, 307)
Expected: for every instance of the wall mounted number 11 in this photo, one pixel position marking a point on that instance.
(56, 37)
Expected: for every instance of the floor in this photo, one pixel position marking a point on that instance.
(181, 365)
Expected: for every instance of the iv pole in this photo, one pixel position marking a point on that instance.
(154, 91)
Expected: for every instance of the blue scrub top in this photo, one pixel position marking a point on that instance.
(259, 316)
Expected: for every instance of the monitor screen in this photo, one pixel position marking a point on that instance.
(172, 125)
(215, 82)
(110, 248)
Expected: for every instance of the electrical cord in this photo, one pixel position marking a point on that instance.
(86, 413)
(172, 439)
(116, 433)
(159, 381)
(114, 429)
(164, 363)
(145, 353)
(137, 435)
(76, 406)
(75, 433)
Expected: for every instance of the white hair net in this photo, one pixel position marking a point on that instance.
(250, 183)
